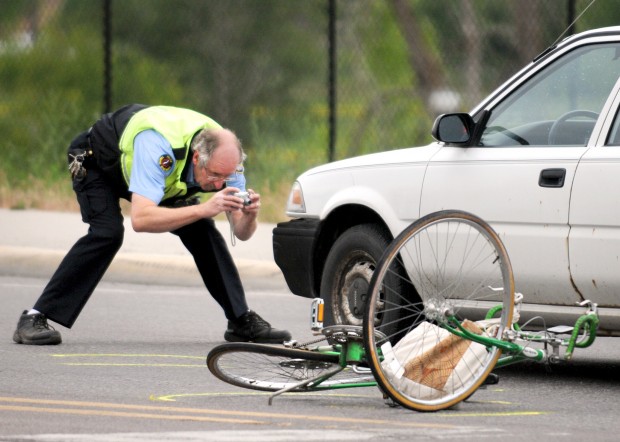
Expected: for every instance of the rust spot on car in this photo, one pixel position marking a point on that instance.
(572, 282)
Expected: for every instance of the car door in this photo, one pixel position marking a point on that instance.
(594, 218)
(502, 187)
(519, 175)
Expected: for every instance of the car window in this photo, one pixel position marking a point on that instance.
(560, 104)
(614, 134)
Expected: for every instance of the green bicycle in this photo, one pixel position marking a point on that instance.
(441, 314)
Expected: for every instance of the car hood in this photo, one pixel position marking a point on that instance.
(396, 157)
(375, 181)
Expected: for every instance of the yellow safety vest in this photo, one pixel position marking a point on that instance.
(176, 125)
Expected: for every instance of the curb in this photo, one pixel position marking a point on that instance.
(136, 268)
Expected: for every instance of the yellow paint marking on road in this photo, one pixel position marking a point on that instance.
(127, 355)
(492, 402)
(172, 397)
(495, 414)
(124, 355)
(107, 413)
(112, 364)
(203, 411)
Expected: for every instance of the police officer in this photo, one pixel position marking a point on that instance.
(159, 158)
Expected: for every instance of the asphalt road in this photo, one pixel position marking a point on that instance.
(133, 369)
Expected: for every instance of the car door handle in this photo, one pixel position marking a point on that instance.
(552, 178)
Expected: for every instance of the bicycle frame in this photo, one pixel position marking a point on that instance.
(585, 327)
(351, 352)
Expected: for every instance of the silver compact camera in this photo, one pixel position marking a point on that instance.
(245, 197)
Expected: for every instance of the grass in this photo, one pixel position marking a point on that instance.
(39, 194)
(58, 196)
(38, 177)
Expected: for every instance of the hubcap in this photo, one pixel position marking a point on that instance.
(355, 293)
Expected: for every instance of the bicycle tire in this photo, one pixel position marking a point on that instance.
(448, 259)
(271, 368)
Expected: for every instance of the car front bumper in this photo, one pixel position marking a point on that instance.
(293, 250)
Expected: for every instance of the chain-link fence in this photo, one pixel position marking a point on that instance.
(262, 68)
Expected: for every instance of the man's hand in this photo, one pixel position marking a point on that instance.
(254, 205)
(146, 216)
(223, 201)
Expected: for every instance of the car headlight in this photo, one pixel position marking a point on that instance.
(295, 201)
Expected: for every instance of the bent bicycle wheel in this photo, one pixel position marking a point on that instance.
(272, 368)
(446, 268)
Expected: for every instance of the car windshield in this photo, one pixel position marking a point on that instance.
(560, 104)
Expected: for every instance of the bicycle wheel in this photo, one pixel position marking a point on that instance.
(446, 263)
(271, 368)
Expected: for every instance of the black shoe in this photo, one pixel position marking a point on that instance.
(251, 327)
(492, 379)
(34, 330)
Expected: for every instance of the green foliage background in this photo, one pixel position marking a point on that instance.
(256, 66)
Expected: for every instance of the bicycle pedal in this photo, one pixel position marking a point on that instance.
(561, 329)
(317, 312)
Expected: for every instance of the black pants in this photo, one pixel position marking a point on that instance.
(85, 264)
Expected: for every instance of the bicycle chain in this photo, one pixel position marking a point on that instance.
(300, 345)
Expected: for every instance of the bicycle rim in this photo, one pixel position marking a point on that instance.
(448, 261)
(272, 368)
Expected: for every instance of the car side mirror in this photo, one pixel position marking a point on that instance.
(453, 128)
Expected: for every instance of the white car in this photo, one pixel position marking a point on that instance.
(539, 159)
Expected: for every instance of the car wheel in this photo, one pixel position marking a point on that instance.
(347, 273)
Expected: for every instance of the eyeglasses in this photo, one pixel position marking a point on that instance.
(213, 178)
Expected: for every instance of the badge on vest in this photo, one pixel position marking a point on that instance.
(165, 162)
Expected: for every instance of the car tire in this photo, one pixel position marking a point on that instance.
(347, 272)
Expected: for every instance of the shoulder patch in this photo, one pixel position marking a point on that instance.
(165, 162)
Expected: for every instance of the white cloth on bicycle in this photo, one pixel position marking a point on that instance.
(430, 362)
